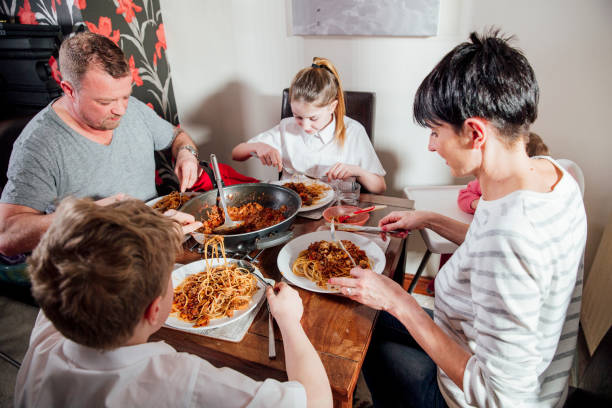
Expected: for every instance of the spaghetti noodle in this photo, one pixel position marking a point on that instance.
(171, 202)
(215, 292)
(324, 260)
(310, 193)
(254, 215)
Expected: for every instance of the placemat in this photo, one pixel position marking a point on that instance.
(233, 332)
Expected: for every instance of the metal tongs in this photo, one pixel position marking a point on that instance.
(361, 228)
(229, 224)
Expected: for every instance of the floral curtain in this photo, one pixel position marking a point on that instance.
(134, 25)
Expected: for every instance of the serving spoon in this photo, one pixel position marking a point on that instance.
(229, 224)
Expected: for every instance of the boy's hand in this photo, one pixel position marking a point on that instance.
(285, 304)
(113, 199)
(187, 221)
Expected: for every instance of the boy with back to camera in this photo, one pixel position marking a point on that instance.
(102, 276)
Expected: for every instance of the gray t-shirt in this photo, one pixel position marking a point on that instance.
(51, 161)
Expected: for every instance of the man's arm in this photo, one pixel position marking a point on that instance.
(21, 228)
(187, 163)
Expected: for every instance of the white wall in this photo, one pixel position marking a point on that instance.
(230, 60)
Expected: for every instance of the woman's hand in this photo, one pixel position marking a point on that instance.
(285, 304)
(187, 221)
(403, 221)
(343, 171)
(268, 155)
(367, 287)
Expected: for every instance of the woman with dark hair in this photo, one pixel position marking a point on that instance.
(507, 302)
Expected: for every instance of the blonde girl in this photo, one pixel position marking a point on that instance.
(319, 140)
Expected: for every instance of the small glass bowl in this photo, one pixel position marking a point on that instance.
(340, 210)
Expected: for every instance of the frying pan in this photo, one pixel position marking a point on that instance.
(268, 195)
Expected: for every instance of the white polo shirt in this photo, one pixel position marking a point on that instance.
(57, 372)
(315, 154)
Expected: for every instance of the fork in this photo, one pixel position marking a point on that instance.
(297, 174)
(332, 229)
(271, 339)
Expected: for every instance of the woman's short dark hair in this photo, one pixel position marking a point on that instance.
(484, 78)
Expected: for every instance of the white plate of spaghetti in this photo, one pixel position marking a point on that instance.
(171, 201)
(226, 294)
(314, 193)
(294, 260)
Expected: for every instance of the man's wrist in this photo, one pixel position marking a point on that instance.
(191, 150)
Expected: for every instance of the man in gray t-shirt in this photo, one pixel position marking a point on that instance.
(94, 141)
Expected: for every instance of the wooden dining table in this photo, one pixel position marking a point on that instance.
(339, 328)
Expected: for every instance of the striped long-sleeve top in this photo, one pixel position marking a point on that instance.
(510, 295)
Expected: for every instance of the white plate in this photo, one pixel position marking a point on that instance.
(152, 201)
(292, 249)
(178, 275)
(326, 199)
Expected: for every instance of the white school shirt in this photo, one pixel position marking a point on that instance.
(510, 295)
(57, 372)
(315, 154)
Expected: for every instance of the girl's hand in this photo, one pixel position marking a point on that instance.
(367, 287)
(343, 171)
(269, 156)
(404, 221)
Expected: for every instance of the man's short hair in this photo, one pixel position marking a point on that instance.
(483, 78)
(82, 51)
(97, 269)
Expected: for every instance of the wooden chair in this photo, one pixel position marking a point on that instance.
(359, 106)
(595, 386)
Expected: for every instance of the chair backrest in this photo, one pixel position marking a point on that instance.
(359, 106)
(575, 170)
(10, 129)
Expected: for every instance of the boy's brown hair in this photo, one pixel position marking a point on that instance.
(97, 269)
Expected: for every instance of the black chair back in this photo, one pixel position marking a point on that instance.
(359, 106)
(10, 129)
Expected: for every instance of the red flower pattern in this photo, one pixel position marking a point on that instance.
(129, 8)
(53, 4)
(150, 105)
(55, 72)
(26, 15)
(105, 27)
(135, 75)
(161, 43)
(81, 4)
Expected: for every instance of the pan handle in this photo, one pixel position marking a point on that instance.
(273, 240)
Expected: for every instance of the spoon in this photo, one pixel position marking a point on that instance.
(343, 218)
(229, 224)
